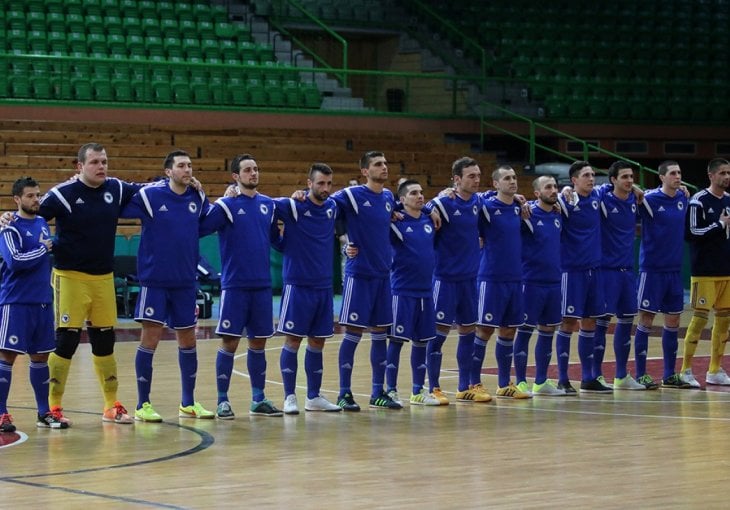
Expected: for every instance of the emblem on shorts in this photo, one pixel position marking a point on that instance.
(399, 329)
(108, 198)
(570, 309)
(524, 318)
(440, 315)
(193, 207)
(645, 302)
(354, 316)
(289, 325)
(149, 311)
(13, 340)
(264, 209)
(64, 318)
(488, 316)
(226, 324)
(702, 301)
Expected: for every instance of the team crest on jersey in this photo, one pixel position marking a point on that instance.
(680, 205)
(488, 316)
(645, 303)
(388, 207)
(64, 318)
(264, 209)
(193, 207)
(428, 229)
(474, 210)
(45, 232)
(517, 211)
(149, 311)
(633, 208)
(440, 315)
(226, 324)
(289, 325)
(13, 340)
(399, 328)
(108, 198)
(557, 223)
(330, 213)
(354, 316)
(570, 309)
(594, 204)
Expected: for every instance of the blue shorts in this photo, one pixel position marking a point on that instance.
(455, 302)
(27, 328)
(246, 309)
(306, 312)
(413, 318)
(500, 304)
(174, 307)
(366, 302)
(541, 303)
(582, 294)
(661, 292)
(619, 288)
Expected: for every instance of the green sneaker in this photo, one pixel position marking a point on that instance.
(522, 386)
(195, 411)
(224, 411)
(147, 413)
(647, 381)
(603, 382)
(264, 408)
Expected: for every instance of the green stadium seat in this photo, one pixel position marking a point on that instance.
(42, 88)
(247, 51)
(151, 27)
(292, 93)
(206, 30)
(181, 92)
(275, 93)
(102, 89)
(20, 87)
(252, 70)
(162, 92)
(82, 90)
(132, 25)
(201, 93)
(225, 30)
(202, 12)
(15, 20)
(37, 42)
(312, 97)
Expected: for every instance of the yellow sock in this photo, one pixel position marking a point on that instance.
(694, 330)
(719, 338)
(58, 369)
(106, 371)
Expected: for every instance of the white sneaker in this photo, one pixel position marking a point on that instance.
(290, 404)
(628, 383)
(547, 389)
(393, 394)
(689, 378)
(720, 378)
(424, 398)
(319, 403)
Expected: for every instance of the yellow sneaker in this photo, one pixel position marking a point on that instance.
(512, 391)
(475, 393)
(196, 411)
(147, 413)
(440, 396)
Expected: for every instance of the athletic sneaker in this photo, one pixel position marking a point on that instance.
(689, 378)
(720, 378)
(567, 388)
(628, 383)
(116, 414)
(319, 403)
(424, 399)
(393, 394)
(441, 396)
(195, 411)
(224, 411)
(290, 404)
(147, 413)
(648, 382)
(58, 411)
(512, 391)
(547, 389)
(50, 420)
(603, 381)
(475, 393)
(347, 403)
(523, 387)
(6, 423)
(677, 382)
(264, 408)
(383, 401)
(594, 386)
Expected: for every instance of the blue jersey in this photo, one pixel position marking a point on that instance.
(499, 226)
(541, 246)
(246, 229)
(581, 239)
(457, 241)
(662, 220)
(709, 246)
(367, 217)
(168, 247)
(413, 256)
(309, 234)
(618, 229)
(25, 268)
(86, 223)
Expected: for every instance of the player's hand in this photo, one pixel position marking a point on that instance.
(299, 195)
(396, 216)
(567, 193)
(195, 183)
(448, 193)
(47, 242)
(232, 191)
(684, 189)
(436, 218)
(638, 193)
(351, 251)
(520, 199)
(6, 219)
(526, 211)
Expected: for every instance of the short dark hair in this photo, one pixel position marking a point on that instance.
(576, 167)
(319, 167)
(93, 146)
(715, 164)
(365, 159)
(616, 168)
(236, 162)
(536, 182)
(458, 166)
(664, 166)
(498, 170)
(21, 184)
(170, 158)
(403, 188)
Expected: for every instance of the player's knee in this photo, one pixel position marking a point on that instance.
(102, 341)
(67, 340)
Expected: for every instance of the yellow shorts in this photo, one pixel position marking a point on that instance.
(82, 299)
(710, 292)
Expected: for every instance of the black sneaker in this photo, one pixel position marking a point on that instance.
(567, 388)
(51, 420)
(6, 423)
(676, 382)
(383, 401)
(347, 403)
(594, 386)
(647, 381)
(264, 408)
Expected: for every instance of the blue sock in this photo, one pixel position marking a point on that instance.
(521, 347)
(38, 373)
(585, 353)
(477, 360)
(418, 365)
(256, 364)
(393, 363)
(622, 345)
(143, 370)
(464, 354)
(288, 364)
(599, 344)
(223, 372)
(641, 346)
(562, 350)
(6, 377)
(378, 360)
(543, 353)
(503, 352)
(434, 356)
(188, 360)
(346, 359)
(313, 369)
(669, 349)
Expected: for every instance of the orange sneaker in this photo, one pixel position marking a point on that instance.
(116, 414)
(57, 412)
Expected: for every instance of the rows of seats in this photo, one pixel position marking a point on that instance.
(328, 10)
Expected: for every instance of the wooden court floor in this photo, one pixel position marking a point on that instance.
(659, 449)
